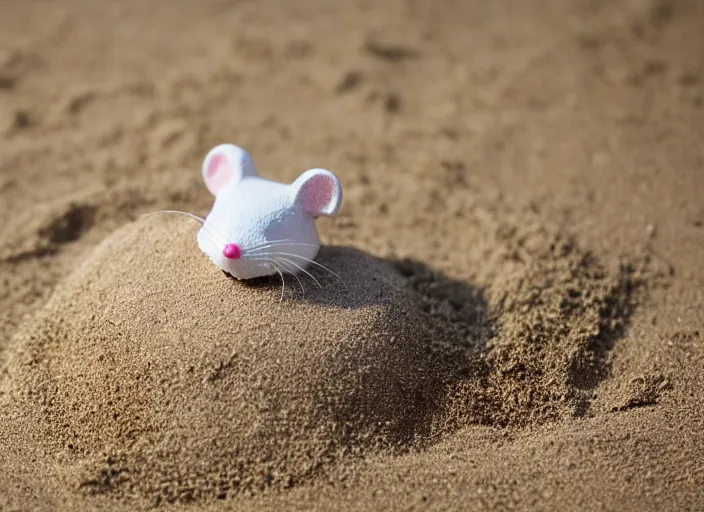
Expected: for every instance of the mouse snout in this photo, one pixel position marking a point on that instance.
(232, 251)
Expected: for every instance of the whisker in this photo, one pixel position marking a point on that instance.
(277, 243)
(294, 275)
(187, 214)
(283, 281)
(301, 269)
(286, 241)
(218, 232)
(213, 236)
(190, 216)
(256, 246)
(304, 258)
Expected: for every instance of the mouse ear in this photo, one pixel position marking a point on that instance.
(318, 191)
(225, 163)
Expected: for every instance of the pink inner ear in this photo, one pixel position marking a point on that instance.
(318, 193)
(218, 172)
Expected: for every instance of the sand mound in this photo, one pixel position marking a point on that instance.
(159, 376)
(163, 377)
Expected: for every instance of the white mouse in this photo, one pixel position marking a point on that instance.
(259, 227)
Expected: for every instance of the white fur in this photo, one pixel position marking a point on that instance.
(258, 214)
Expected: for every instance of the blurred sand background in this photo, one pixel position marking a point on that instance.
(529, 174)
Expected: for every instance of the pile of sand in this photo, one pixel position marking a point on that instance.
(172, 380)
(159, 376)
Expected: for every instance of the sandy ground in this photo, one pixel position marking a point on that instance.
(522, 239)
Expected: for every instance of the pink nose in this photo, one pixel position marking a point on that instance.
(231, 251)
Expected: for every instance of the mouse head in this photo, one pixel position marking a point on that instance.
(259, 227)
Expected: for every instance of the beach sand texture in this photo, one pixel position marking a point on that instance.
(514, 317)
